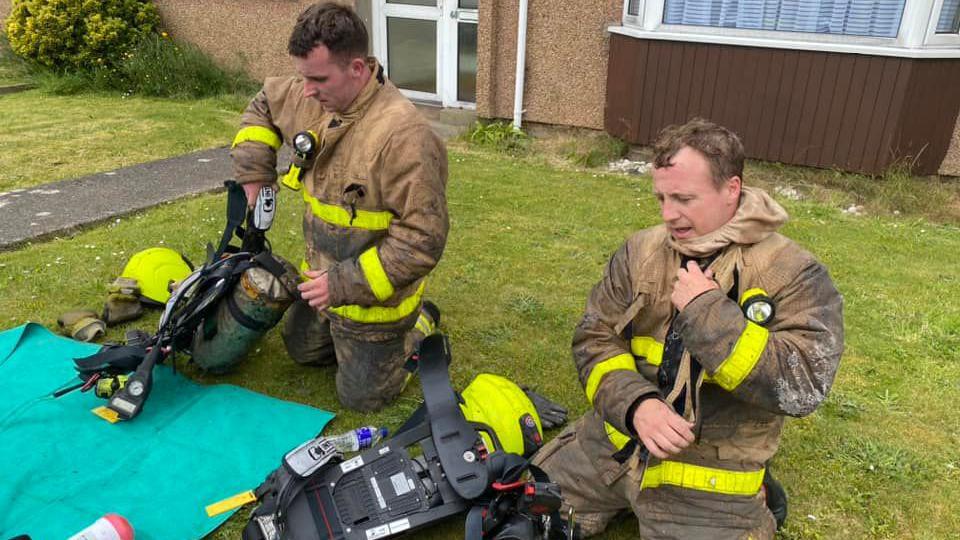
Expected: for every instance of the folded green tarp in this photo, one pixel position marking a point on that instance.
(62, 467)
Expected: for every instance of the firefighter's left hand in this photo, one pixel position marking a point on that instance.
(316, 292)
(691, 283)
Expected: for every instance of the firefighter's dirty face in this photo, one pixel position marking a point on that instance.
(690, 203)
(331, 80)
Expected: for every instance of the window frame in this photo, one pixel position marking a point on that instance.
(934, 39)
(916, 38)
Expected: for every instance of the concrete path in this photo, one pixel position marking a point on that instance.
(42, 212)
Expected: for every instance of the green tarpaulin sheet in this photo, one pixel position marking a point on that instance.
(62, 467)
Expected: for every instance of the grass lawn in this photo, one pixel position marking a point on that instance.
(12, 71)
(45, 138)
(879, 460)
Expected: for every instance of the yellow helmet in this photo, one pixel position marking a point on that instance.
(504, 415)
(154, 269)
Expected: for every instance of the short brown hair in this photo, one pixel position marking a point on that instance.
(337, 27)
(719, 145)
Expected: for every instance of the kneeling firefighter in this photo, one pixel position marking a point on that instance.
(215, 314)
(456, 454)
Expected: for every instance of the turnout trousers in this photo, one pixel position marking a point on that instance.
(370, 358)
(662, 513)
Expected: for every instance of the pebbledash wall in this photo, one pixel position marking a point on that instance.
(567, 67)
(566, 63)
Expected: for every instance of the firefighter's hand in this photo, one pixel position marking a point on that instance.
(691, 283)
(661, 429)
(316, 291)
(252, 191)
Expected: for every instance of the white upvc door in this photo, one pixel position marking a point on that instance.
(429, 48)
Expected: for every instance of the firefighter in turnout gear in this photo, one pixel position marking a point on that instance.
(372, 175)
(704, 333)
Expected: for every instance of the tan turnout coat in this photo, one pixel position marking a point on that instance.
(378, 180)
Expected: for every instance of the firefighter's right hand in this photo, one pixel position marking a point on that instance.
(661, 430)
(252, 191)
(316, 291)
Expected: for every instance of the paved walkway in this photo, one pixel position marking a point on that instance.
(62, 207)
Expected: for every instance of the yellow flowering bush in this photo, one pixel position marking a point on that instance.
(80, 34)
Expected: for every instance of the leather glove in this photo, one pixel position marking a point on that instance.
(552, 414)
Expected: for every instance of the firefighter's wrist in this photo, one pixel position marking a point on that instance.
(632, 410)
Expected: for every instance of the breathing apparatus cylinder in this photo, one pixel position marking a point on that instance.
(254, 306)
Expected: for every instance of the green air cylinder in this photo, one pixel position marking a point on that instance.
(243, 316)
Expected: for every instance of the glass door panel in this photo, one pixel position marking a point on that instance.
(412, 54)
(467, 62)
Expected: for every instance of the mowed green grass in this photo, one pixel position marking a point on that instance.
(880, 459)
(45, 137)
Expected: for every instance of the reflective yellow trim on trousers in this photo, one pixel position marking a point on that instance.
(374, 314)
(375, 275)
(620, 362)
(685, 475)
(258, 134)
(744, 357)
(648, 348)
(339, 216)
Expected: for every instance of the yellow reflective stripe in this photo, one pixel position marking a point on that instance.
(374, 314)
(685, 475)
(648, 348)
(621, 361)
(375, 275)
(652, 350)
(750, 293)
(381, 314)
(339, 216)
(292, 178)
(304, 266)
(617, 438)
(735, 368)
(258, 134)
(425, 325)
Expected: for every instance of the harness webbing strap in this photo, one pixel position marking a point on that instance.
(454, 438)
(236, 214)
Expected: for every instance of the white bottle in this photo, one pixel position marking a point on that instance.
(109, 527)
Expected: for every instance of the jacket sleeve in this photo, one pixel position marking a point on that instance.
(413, 176)
(786, 369)
(607, 369)
(255, 146)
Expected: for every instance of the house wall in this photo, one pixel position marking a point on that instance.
(250, 33)
(853, 112)
(566, 65)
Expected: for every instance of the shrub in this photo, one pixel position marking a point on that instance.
(499, 136)
(78, 34)
(161, 67)
(595, 150)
